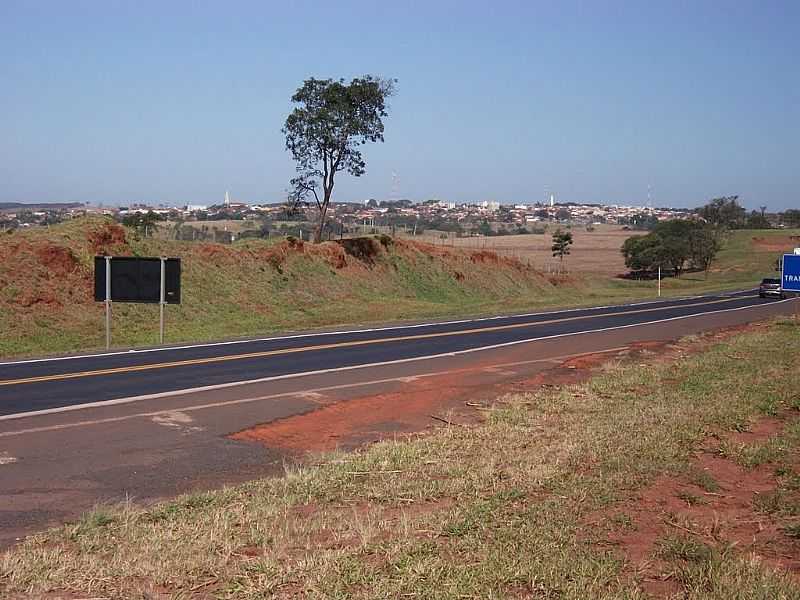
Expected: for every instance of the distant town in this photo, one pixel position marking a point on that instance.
(488, 218)
(463, 218)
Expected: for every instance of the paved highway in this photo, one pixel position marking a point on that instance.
(47, 384)
(148, 424)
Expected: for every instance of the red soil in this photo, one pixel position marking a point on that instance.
(676, 506)
(784, 243)
(58, 260)
(418, 405)
(363, 420)
(108, 239)
(43, 273)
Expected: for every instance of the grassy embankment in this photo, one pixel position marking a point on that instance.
(543, 499)
(256, 287)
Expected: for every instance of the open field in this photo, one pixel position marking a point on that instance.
(540, 498)
(258, 286)
(595, 252)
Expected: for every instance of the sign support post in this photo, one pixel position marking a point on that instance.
(790, 276)
(659, 281)
(162, 301)
(108, 302)
(149, 280)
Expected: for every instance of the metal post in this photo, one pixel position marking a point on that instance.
(659, 281)
(161, 301)
(108, 302)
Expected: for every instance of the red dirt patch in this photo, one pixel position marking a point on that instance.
(109, 238)
(776, 243)
(352, 423)
(418, 406)
(58, 260)
(762, 430)
(355, 422)
(679, 506)
(332, 253)
(218, 253)
(52, 273)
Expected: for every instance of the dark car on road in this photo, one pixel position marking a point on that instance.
(770, 287)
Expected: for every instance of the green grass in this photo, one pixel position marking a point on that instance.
(239, 291)
(496, 510)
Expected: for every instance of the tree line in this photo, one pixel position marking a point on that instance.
(726, 212)
(673, 246)
(678, 245)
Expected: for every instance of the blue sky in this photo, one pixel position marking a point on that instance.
(175, 102)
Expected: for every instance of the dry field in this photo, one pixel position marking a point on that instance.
(596, 252)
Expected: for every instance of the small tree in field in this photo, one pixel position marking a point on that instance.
(562, 240)
(324, 132)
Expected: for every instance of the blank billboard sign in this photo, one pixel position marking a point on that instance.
(137, 279)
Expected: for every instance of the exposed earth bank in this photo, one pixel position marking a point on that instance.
(47, 305)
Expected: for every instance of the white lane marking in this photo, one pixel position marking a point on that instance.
(344, 386)
(368, 330)
(220, 386)
(6, 459)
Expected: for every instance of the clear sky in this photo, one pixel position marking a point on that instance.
(175, 102)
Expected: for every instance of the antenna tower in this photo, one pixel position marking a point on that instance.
(394, 194)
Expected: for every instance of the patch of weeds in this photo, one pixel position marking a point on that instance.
(751, 456)
(172, 510)
(684, 548)
(705, 480)
(769, 407)
(785, 322)
(508, 496)
(462, 527)
(780, 502)
(478, 516)
(513, 415)
(689, 498)
(792, 482)
(90, 522)
(793, 531)
(623, 520)
(740, 426)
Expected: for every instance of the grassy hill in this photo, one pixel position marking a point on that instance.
(254, 287)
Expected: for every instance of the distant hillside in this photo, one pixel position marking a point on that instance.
(40, 206)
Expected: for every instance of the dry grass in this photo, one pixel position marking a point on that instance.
(496, 510)
(596, 252)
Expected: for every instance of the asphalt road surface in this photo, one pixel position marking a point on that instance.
(147, 424)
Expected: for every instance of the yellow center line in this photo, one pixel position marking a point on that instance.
(283, 351)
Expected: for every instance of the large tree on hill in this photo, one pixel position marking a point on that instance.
(330, 122)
